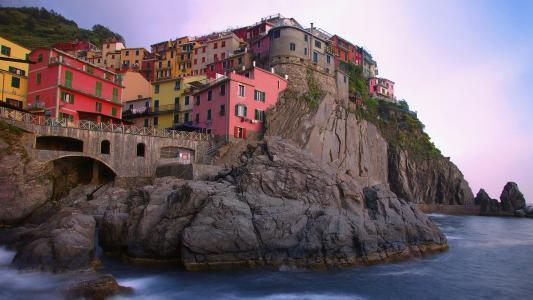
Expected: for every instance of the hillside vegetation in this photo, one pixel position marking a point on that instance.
(34, 27)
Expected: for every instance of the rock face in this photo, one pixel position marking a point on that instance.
(511, 198)
(25, 185)
(96, 287)
(63, 243)
(487, 205)
(355, 147)
(280, 207)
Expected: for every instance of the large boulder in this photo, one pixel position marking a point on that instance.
(511, 198)
(95, 287)
(281, 207)
(64, 243)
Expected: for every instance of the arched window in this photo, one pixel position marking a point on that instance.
(105, 147)
(140, 149)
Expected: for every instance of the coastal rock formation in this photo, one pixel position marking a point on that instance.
(280, 207)
(511, 198)
(487, 205)
(25, 185)
(333, 133)
(65, 242)
(95, 286)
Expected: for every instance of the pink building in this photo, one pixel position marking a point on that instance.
(65, 87)
(238, 61)
(261, 48)
(234, 106)
(381, 88)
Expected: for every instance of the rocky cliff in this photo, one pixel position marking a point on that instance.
(373, 143)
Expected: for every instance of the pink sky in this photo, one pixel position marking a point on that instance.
(465, 66)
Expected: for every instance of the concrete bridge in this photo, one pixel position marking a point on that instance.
(126, 151)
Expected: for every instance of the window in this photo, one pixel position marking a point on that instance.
(344, 78)
(63, 116)
(318, 44)
(168, 63)
(98, 91)
(186, 117)
(156, 89)
(276, 34)
(113, 56)
(156, 105)
(209, 115)
(40, 57)
(136, 52)
(176, 119)
(140, 147)
(215, 46)
(328, 59)
(259, 96)
(197, 118)
(146, 122)
(6, 51)
(209, 95)
(239, 132)
(203, 59)
(292, 46)
(68, 78)
(113, 111)
(186, 100)
(98, 107)
(127, 53)
(241, 90)
(196, 51)
(160, 64)
(115, 94)
(258, 44)
(105, 147)
(315, 57)
(197, 99)
(222, 110)
(259, 115)
(90, 70)
(240, 110)
(177, 85)
(156, 121)
(306, 37)
(15, 82)
(215, 57)
(305, 51)
(223, 44)
(67, 97)
(222, 90)
(195, 61)
(203, 50)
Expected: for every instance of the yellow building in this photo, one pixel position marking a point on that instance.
(184, 56)
(131, 58)
(170, 106)
(14, 74)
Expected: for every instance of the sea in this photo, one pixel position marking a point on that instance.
(489, 258)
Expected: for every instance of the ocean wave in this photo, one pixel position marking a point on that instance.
(296, 296)
(6, 256)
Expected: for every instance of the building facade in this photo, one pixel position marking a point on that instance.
(239, 61)
(381, 88)
(135, 86)
(76, 48)
(131, 58)
(234, 106)
(345, 51)
(65, 87)
(170, 105)
(13, 73)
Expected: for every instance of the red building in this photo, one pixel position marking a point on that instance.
(66, 87)
(234, 106)
(148, 66)
(381, 88)
(74, 47)
(345, 51)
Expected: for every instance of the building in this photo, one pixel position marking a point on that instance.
(148, 66)
(199, 57)
(370, 67)
(294, 44)
(221, 45)
(111, 54)
(131, 58)
(345, 51)
(13, 72)
(165, 66)
(138, 112)
(238, 61)
(184, 57)
(78, 48)
(260, 48)
(234, 106)
(65, 87)
(381, 88)
(170, 106)
(135, 86)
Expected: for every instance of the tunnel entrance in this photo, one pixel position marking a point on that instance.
(69, 172)
(58, 143)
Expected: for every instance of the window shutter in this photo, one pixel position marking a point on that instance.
(245, 111)
(263, 96)
(256, 114)
(244, 133)
(236, 110)
(236, 131)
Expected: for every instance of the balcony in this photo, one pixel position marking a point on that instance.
(168, 108)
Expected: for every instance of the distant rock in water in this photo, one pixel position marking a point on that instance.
(487, 204)
(511, 198)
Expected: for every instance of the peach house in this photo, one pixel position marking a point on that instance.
(233, 106)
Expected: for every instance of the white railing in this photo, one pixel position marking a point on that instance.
(30, 120)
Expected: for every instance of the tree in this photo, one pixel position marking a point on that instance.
(403, 104)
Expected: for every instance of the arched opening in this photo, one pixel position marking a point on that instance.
(140, 149)
(72, 171)
(105, 147)
(59, 143)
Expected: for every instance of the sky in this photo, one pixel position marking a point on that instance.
(464, 66)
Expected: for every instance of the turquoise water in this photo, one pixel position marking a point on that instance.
(489, 257)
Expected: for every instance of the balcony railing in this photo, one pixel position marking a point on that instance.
(29, 121)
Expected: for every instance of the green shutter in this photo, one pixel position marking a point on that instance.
(98, 89)
(115, 94)
(38, 78)
(263, 96)
(245, 111)
(68, 78)
(114, 111)
(237, 110)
